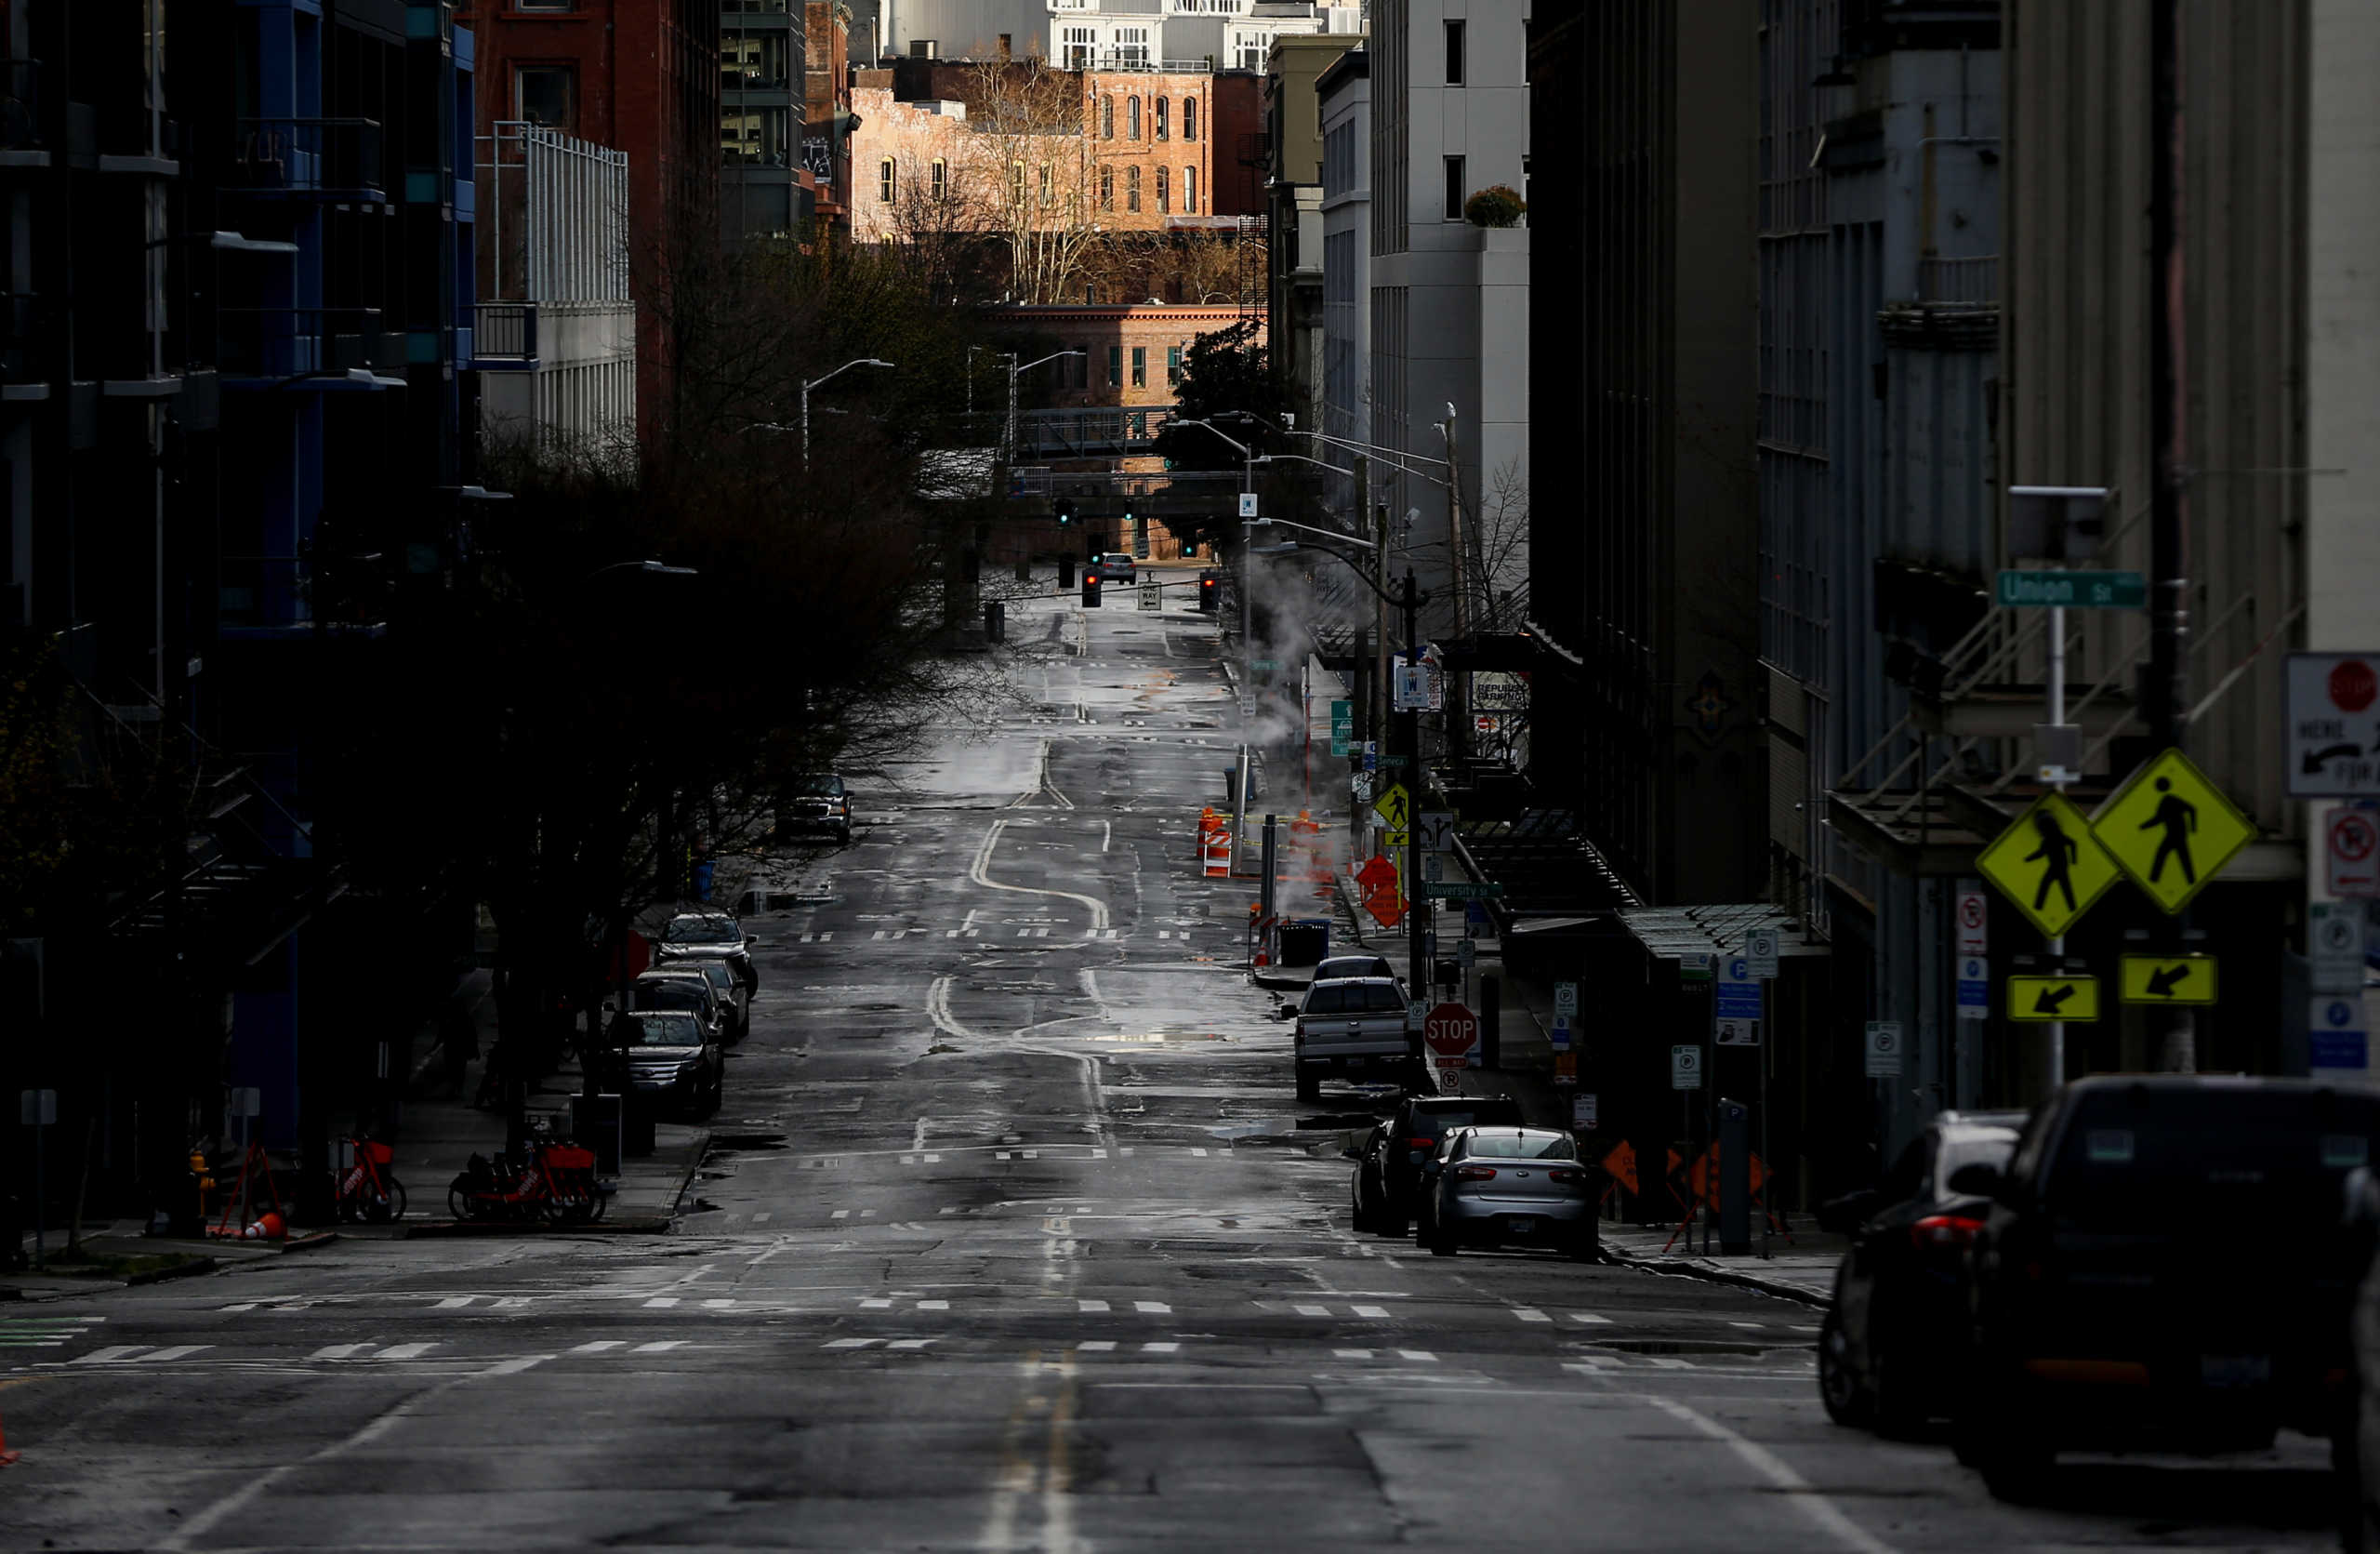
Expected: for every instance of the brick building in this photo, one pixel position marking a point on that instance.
(1152, 138)
(1133, 354)
(826, 111)
(642, 76)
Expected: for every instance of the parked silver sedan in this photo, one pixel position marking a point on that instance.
(1489, 1187)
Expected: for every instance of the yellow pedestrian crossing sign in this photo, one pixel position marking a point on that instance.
(2170, 829)
(2039, 1000)
(2167, 979)
(1396, 807)
(2049, 865)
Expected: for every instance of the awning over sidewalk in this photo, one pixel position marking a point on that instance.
(1673, 932)
(1554, 880)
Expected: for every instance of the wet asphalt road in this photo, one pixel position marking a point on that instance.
(1010, 1240)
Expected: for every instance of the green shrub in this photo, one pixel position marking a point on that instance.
(1495, 206)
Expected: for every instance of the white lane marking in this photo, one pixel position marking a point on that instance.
(244, 1306)
(1352, 1354)
(933, 1305)
(109, 1355)
(659, 1346)
(177, 1352)
(908, 1160)
(1423, 1355)
(1161, 1347)
(718, 1305)
(878, 934)
(1667, 1364)
(979, 871)
(1198, 1150)
(1091, 1305)
(938, 1011)
(934, 1160)
(1530, 1314)
(999, 1154)
(662, 1302)
(875, 1303)
(761, 1218)
(1744, 1325)
(1154, 1308)
(598, 1346)
(911, 1343)
(1099, 1154)
(1125, 1152)
(1030, 1154)
(840, 1214)
(1592, 1364)
(850, 1343)
(1798, 1491)
(405, 1351)
(336, 1351)
(453, 1303)
(1097, 1346)
(1312, 1310)
(514, 1367)
(1590, 1317)
(1090, 980)
(1106, 834)
(1375, 1312)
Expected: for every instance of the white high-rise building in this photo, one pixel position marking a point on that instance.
(1105, 34)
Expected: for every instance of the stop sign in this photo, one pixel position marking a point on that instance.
(1451, 1031)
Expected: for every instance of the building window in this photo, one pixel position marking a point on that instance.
(1173, 364)
(1161, 105)
(1004, 52)
(1454, 188)
(1131, 189)
(545, 5)
(1106, 188)
(1164, 192)
(545, 95)
(1189, 118)
(1454, 53)
(1132, 119)
(1189, 190)
(1016, 185)
(1114, 366)
(887, 181)
(1048, 183)
(1107, 118)
(1133, 45)
(1078, 46)
(1140, 366)
(941, 178)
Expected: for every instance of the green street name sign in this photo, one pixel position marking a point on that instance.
(1393, 761)
(1462, 890)
(2076, 591)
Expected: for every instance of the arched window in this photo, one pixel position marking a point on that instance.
(887, 181)
(1164, 192)
(941, 178)
(1161, 105)
(1189, 118)
(1189, 190)
(1106, 188)
(1131, 189)
(1132, 118)
(1107, 118)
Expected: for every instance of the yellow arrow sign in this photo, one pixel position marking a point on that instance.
(2170, 829)
(2167, 979)
(2049, 865)
(1396, 807)
(2039, 1000)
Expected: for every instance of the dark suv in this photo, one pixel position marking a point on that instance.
(2109, 1310)
(1391, 1161)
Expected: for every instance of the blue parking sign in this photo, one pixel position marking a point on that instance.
(1736, 990)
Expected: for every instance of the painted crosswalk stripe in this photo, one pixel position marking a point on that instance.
(336, 1351)
(1352, 1354)
(1590, 1317)
(455, 1302)
(933, 1305)
(1312, 1310)
(840, 1214)
(874, 1303)
(718, 1304)
(1124, 1151)
(999, 1154)
(244, 1306)
(1669, 1364)
(1530, 1314)
(401, 1351)
(1200, 1152)
(851, 1343)
(1589, 1367)
(934, 1160)
(662, 1302)
(1031, 1154)
(109, 1355)
(1376, 1313)
(1097, 1346)
(1091, 1305)
(911, 1343)
(761, 1218)
(1423, 1355)
(1161, 1347)
(1099, 1154)
(1743, 1325)
(1156, 1308)
(659, 1346)
(598, 1346)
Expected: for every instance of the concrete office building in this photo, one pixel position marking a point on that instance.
(1098, 34)
(1293, 191)
(1344, 91)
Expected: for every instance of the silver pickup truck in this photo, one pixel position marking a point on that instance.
(1355, 1028)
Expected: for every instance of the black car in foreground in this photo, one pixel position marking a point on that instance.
(2113, 1308)
(1390, 1165)
(1891, 1344)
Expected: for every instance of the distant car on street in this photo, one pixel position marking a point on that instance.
(1355, 1028)
(709, 936)
(715, 978)
(813, 804)
(1890, 1346)
(1500, 1186)
(1115, 566)
(666, 1057)
(665, 988)
(2109, 1314)
(1391, 1157)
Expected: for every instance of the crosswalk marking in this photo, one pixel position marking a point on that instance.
(1667, 1364)
(840, 1214)
(659, 1346)
(851, 1343)
(1161, 1347)
(910, 1342)
(1424, 1356)
(1352, 1354)
(598, 1346)
(455, 1302)
(662, 1302)
(336, 1351)
(1312, 1310)
(1374, 1312)
(1154, 1308)
(1091, 1305)
(244, 1306)
(1530, 1314)
(718, 1304)
(934, 1160)
(1198, 1150)
(933, 1305)
(760, 1217)
(1097, 1346)
(874, 1303)
(1589, 1317)
(1743, 1325)
(113, 1352)
(398, 1351)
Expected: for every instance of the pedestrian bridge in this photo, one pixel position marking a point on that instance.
(1090, 433)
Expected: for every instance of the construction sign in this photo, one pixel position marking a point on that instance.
(1376, 880)
(2170, 829)
(1621, 1165)
(2039, 1000)
(2167, 979)
(2049, 864)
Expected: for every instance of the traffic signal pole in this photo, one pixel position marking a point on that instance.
(2167, 691)
(1408, 739)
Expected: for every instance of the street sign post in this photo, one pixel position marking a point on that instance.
(1566, 1001)
(2050, 865)
(2332, 747)
(1760, 949)
(1464, 890)
(1735, 995)
(2073, 590)
(2170, 829)
(1451, 1032)
(1975, 987)
(1248, 504)
(1436, 827)
(2166, 979)
(1394, 806)
(1150, 593)
(38, 1110)
(2335, 947)
(2041, 1000)
(1974, 920)
(2334, 1034)
(1582, 1113)
(1736, 1033)
(1884, 1049)
(1685, 1068)
(1343, 725)
(2351, 850)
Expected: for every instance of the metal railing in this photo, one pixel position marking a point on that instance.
(295, 342)
(19, 104)
(310, 157)
(1970, 281)
(1128, 64)
(505, 331)
(1071, 432)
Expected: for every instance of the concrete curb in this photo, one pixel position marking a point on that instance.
(1778, 1288)
(180, 1271)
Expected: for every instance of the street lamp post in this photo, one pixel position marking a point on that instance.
(815, 382)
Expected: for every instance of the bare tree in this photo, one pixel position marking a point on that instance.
(1030, 146)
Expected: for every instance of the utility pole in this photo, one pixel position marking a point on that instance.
(1458, 728)
(1409, 731)
(2167, 690)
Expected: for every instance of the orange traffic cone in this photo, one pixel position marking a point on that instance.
(269, 1227)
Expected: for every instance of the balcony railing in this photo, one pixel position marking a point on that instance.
(296, 342)
(327, 157)
(21, 320)
(19, 104)
(505, 331)
(1133, 64)
(1972, 282)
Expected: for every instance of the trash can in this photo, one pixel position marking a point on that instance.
(595, 1124)
(995, 620)
(704, 872)
(1304, 942)
(1065, 573)
(636, 1127)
